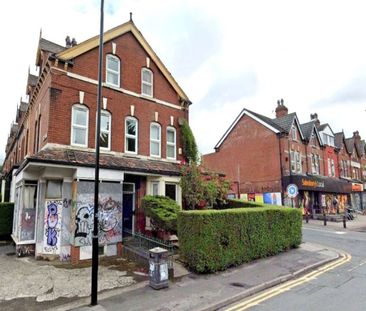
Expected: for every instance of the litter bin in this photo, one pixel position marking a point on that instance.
(158, 271)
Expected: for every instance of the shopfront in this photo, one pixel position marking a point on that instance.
(357, 196)
(318, 194)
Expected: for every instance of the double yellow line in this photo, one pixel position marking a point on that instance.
(244, 305)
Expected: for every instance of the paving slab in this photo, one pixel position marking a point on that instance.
(208, 292)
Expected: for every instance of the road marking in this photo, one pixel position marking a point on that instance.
(325, 230)
(289, 285)
(359, 265)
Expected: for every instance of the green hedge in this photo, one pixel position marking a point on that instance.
(213, 240)
(6, 218)
(163, 212)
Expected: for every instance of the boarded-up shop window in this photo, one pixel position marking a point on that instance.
(54, 189)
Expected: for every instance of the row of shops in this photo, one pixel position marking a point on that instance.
(316, 194)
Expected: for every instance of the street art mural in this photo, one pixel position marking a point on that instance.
(110, 223)
(84, 223)
(110, 214)
(52, 227)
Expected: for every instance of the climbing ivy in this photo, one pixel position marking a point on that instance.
(190, 150)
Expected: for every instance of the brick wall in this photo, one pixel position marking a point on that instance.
(250, 154)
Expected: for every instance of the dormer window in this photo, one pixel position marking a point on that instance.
(113, 70)
(146, 82)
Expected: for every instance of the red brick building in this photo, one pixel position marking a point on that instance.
(49, 164)
(262, 156)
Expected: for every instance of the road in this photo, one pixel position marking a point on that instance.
(338, 288)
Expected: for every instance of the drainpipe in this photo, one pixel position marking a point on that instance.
(281, 168)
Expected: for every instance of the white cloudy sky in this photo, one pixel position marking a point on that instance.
(226, 55)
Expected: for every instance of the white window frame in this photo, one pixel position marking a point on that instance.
(298, 162)
(109, 132)
(108, 70)
(292, 161)
(332, 167)
(156, 141)
(146, 82)
(293, 132)
(132, 136)
(170, 144)
(86, 109)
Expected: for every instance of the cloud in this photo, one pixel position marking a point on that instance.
(354, 92)
(230, 89)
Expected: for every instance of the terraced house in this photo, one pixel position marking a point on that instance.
(262, 156)
(49, 165)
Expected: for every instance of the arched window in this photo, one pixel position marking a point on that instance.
(131, 135)
(79, 125)
(155, 140)
(146, 82)
(171, 143)
(105, 130)
(113, 70)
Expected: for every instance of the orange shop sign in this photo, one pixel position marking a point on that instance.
(357, 187)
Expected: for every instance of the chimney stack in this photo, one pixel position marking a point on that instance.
(314, 117)
(68, 42)
(356, 136)
(281, 109)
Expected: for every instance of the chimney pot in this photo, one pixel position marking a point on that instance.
(68, 42)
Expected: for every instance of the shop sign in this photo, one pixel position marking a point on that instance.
(357, 187)
(292, 191)
(312, 183)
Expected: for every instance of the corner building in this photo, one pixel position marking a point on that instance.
(50, 155)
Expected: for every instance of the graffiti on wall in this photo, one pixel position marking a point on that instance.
(52, 227)
(84, 224)
(110, 221)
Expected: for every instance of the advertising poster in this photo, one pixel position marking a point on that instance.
(251, 197)
(259, 197)
(244, 196)
(273, 198)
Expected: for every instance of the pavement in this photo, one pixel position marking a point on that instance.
(118, 291)
(211, 292)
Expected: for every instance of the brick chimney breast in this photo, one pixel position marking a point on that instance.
(281, 109)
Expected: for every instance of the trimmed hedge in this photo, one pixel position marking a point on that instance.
(236, 203)
(162, 210)
(213, 240)
(6, 218)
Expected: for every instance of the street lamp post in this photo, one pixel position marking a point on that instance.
(95, 254)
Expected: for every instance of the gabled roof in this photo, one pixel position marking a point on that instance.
(338, 140)
(308, 129)
(350, 144)
(48, 46)
(361, 147)
(83, 47)
(286, 122)
(32, 79)
(277, 125)
(255, 116)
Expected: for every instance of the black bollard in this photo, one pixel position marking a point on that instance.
(325, 219)
(307, 217)
(344, 222)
